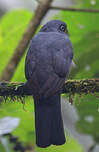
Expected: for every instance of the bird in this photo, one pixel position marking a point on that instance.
(47, 66)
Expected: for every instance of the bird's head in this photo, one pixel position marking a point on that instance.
(55, 26)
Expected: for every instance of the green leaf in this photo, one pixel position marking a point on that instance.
(12, 25)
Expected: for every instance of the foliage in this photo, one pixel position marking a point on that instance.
(12, 26)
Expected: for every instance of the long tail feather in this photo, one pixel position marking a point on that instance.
(48, 122)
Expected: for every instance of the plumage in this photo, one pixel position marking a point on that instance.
(47, 66)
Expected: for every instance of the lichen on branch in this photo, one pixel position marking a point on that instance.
(84, 86)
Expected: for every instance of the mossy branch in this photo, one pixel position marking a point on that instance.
(85, 86)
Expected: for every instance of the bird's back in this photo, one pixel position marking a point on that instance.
(43, 45)
(46, 51)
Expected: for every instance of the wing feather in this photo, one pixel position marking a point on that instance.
(62, 58)
(30, 64)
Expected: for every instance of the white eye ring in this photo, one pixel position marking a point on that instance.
(62, 28)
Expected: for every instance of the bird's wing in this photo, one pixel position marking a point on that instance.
(30, 63)
(30, 68)
(62, 54)
(62, 58)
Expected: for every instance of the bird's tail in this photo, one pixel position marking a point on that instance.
(48, 122)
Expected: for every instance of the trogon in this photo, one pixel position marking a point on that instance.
(47, 66)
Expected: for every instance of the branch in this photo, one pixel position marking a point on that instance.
(75, 9)
(71, 86)
(27, 36)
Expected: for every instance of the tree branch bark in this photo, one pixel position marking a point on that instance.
(85, 86)
(86, 10)
(27, 36)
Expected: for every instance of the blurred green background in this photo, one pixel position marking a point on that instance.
(84, 34)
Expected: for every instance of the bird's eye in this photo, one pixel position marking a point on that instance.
(62, 28)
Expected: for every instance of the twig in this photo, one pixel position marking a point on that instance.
(27, 36)
(88, 10)
(71, 86)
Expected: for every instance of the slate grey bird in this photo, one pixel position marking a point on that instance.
(47, 65)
